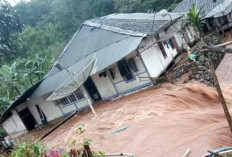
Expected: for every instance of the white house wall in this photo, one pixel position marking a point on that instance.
(14, 125)
(50, 109)
(179, 40)
(153, 58)
(109, 87)
(104, 86)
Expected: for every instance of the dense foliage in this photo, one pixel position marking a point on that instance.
(10, 26)
(33, 33)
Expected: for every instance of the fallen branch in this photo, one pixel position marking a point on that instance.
(223, 44)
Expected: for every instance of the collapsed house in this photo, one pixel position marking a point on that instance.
(217, 13)
(130, 49)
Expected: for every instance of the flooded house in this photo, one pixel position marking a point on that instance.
(128, 50)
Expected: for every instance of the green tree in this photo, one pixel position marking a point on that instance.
(129, 6)
(32, 12)
(10, 25)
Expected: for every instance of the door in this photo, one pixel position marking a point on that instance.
(92, 90)
(27, 118)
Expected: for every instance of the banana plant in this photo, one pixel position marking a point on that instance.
(194, 17)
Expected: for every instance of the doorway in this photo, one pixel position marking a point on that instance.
(92, 90)
(27, 118)
(41, 115)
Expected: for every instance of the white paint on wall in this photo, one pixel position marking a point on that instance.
(49, 108)
(108, 86)
(153, 57)
(14, 125)
(104, 85)
(69, 108)
(179, 40)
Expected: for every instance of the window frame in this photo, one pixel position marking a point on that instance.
(162, 49)
(77, 95)
(128, 67)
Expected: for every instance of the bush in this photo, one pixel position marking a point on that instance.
(27, 149)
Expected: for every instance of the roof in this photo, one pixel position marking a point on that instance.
(207, 5)
(137, 22)
(110, 38)
(19, 101)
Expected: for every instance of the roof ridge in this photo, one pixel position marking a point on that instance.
(114, 29)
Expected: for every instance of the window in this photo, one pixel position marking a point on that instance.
(74, 97)
(79, 94)
(171, 43)
(162, 50)
(125, 70)
(133, 65)
(103, 74)
(64, 101)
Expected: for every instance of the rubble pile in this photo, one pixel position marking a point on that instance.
(182, 70)
(201, 69)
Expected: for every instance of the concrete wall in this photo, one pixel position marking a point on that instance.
(105, 86)
(109, 87)
(14, 125)
(49, 108)
(153, 58)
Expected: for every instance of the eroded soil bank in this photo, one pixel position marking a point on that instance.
(161, 122)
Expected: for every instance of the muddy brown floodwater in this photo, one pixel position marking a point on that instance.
(162, 122)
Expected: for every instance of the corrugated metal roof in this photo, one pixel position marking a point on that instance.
(115, 38)
(137, 22)
(110, 54)
(207, 5)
